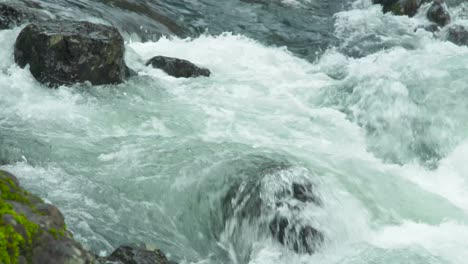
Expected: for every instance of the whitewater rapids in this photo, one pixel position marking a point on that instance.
(380, 121)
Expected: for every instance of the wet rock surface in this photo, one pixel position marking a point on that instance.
(400, 7)
(457, 34)
(68, 52)
(438, 13)
(13, 14)
(135, 254)
(177, 67)
(271, 204)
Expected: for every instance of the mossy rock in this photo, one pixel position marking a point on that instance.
(32, 231)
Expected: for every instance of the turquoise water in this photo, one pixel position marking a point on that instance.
(378, 123)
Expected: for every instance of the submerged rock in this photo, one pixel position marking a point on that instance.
(270, 204)
(177, 67)
(300, 238)
(11, 16)
(133, 254)
(33, 231)
(431, 27)
(400, 7)
(438, 13)
(68, 52)
(457, 34)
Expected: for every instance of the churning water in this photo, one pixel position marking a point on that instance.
(378, 123)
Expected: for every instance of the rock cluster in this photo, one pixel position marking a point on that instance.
(134, 254)
(400, 7)
(63, 52)
(437, 13)
(67, 52)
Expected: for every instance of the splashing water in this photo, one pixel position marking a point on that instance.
(378, 123)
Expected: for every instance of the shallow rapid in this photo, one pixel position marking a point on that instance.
(378, 123)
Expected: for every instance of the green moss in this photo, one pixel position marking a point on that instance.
(55, 39)
(57, 234)
(12, 242)
(9, 191)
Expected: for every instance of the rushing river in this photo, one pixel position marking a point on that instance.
(374, 112)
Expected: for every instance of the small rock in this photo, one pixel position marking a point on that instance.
(68, 52)
(438, 13)
(177, 67)
(133, 254)
(400, 7)
(457, 34)
(304, 193)
(431, 27)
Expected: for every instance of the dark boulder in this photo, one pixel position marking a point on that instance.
(33, 231)
(400, 7)
(134, 254)
(438, 13)
(177, 67)
(68, 52)
(267, 203)
(457, 34)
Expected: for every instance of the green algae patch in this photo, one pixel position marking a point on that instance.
(12, 241)
(58, 233)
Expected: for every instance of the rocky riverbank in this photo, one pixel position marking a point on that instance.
(32, 231)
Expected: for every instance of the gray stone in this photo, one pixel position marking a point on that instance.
(438, 13)
(177, 67)
(68, 52)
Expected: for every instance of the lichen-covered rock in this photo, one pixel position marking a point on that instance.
(438, 13)
(457, 34)
(32, 231)
(400, 7)
(68, 52)
(134, 254)
(270, 201)
(177, 67)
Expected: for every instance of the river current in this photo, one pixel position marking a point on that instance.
(370, 109)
